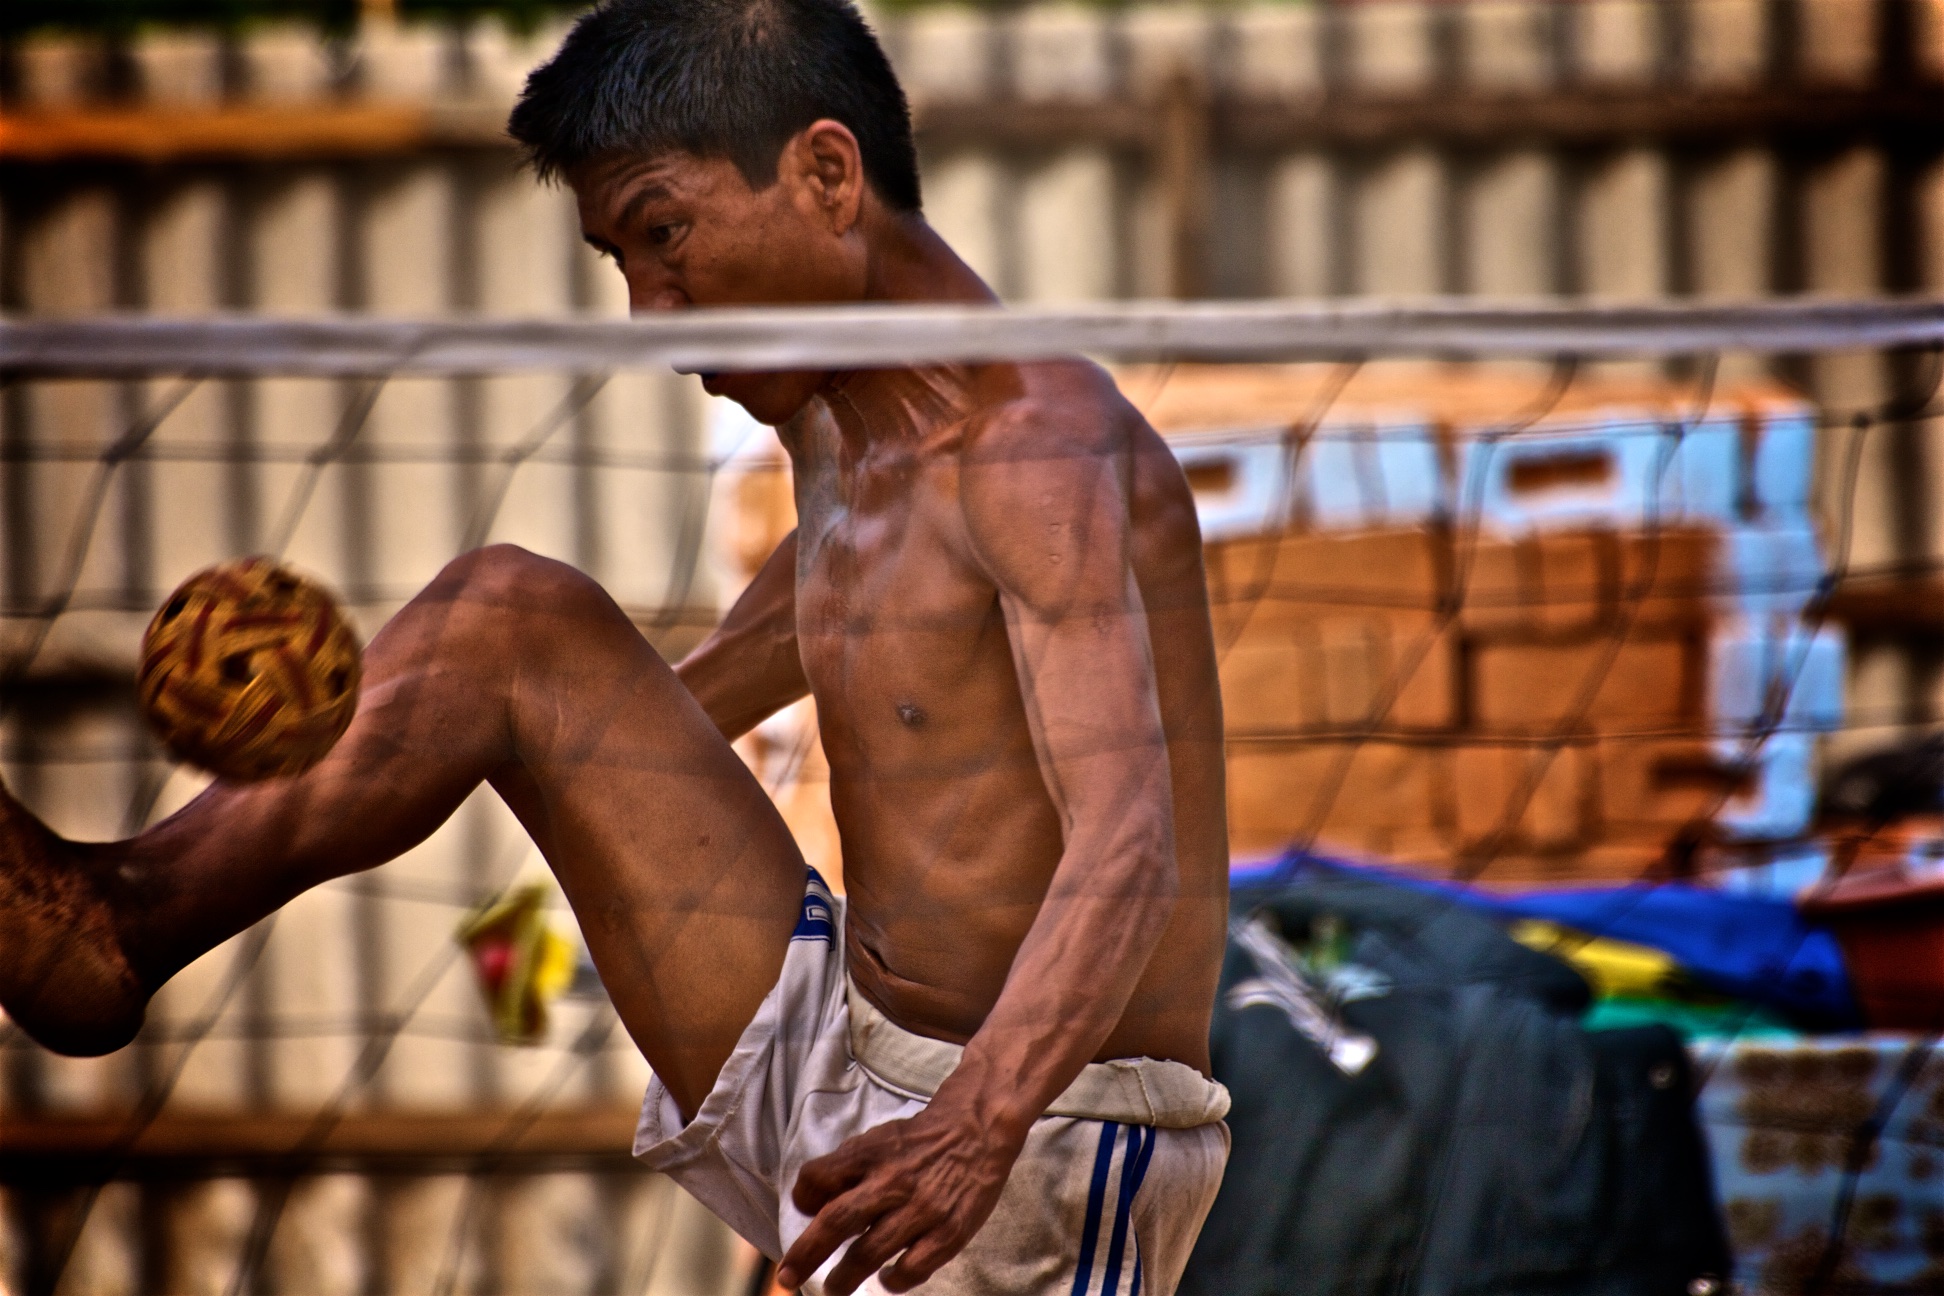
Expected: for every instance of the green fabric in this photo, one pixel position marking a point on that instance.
(1688, 1018)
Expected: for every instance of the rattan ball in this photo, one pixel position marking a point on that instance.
(249, 671)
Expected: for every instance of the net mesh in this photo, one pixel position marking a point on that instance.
(1536, 619)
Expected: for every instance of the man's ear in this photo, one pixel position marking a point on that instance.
(829, 168)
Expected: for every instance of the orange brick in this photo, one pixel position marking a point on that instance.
(1559, 583)
(1641, 683)
(1655, 788)
(1271, 684)
(1351, 795)
(1587, 866)
(1338, 671)
(1424, 849)
(1423, 666)
(1300, 576)
(1354, 656)
(1671, 579)
(1524, 796)
(1605, 863)
(1273, 794)
(1552, 584)
(1671, 576)
(1395, 672)
(1591, 582)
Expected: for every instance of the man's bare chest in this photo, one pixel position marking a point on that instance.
(865, 573)
(894, 623)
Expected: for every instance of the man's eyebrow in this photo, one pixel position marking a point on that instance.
(646, 194)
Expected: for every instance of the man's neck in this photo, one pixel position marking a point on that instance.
(909, 263)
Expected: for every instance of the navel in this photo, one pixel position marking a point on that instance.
(912, 715)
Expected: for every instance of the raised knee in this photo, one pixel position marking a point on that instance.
(507, 575)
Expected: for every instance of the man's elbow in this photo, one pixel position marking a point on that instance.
(1130, 859)
(1158, 876)
(1160, 893)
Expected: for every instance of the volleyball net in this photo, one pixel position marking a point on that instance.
(1608, 599)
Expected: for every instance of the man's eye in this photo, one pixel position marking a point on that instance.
(660, 234)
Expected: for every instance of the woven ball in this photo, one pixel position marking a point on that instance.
(249, 671)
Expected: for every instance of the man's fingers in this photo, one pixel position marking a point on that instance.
(819, 1185)
(843, 1218)
(836, 1171)
(922, 1259)
(908, 1194)
(872, 1250)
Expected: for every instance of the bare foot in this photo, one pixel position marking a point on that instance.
(64, 978)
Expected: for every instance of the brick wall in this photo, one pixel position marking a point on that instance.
(1574, 650)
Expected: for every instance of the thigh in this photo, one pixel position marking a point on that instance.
(684, 879)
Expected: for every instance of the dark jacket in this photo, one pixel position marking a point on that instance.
(1491, 1146)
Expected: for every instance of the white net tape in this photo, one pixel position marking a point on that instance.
(896, 335)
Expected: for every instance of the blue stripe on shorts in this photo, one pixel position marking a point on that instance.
(819, 910)
(1139, 1149)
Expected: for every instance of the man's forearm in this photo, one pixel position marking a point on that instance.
(743, 677)
(749, 667)
(1073, 977)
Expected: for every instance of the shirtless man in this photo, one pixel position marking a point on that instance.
(987, 1068)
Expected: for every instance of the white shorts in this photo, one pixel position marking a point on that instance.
(1105, 1200)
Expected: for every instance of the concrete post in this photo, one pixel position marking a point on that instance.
(945, 55)
(1278, 53)
(1837, 44)
(1067, 230)
(1277, 50)
(1398, 201)
(312, 963)
(188, 505)
(68, 262)
(1727, 42)
(1623, 227)
(523, 238)
(1511, 226)
(1617, 41)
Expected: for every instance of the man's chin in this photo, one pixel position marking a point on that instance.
(765, 398)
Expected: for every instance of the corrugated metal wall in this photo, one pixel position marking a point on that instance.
(1070, 152)
(241, 467)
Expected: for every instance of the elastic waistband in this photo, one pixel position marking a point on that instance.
(1132, 1091)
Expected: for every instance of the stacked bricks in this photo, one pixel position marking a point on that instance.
(1476, 625)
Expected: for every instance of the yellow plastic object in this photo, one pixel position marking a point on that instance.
(520, 963)
(1615, 969)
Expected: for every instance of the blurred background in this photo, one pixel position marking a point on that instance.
(323, 1105)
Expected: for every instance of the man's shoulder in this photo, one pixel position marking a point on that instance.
(1026, 407)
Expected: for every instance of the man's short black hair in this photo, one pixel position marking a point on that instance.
(718, 78)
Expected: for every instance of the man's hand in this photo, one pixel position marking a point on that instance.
(921, 1186)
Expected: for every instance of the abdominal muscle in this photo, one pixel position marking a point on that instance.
(931, 934)
(935, 913)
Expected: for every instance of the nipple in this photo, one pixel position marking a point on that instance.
(912, 714)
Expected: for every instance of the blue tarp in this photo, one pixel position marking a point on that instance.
(1753, 948)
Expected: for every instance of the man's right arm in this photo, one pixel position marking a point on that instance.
(748, 668)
